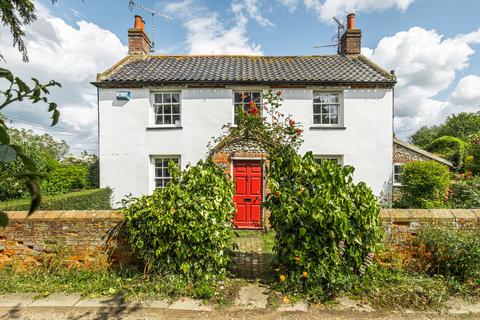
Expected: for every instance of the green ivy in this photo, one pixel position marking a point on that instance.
(185, 228)
(327, 227)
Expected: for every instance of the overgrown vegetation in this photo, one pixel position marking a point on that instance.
(464, 192)
(424, 185)
(186, 227)
(327, 227)
(450, 253)
(94, 199)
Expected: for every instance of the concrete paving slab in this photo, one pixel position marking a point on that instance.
(344, 303)
(157, 304)
(57, 300)
(189, 304)
(252, 296)
(457, 306)
(14, 300)
(107, 302)
(293, 307)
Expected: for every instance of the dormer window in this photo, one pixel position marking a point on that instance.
(166, 107)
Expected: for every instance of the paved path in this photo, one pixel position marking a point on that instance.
(251, 303)
(249, 260)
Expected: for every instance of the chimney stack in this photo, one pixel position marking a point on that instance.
(138, 41)
(351, 41)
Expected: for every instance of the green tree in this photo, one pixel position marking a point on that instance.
(42, 150)
(424, 136)
(15, 15)
(450, 148)
(424, 185)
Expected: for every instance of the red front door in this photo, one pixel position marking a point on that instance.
(248, 194)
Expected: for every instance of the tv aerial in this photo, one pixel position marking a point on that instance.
(335, 39)
(153, 13)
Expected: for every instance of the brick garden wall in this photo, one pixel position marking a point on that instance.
(97, 239)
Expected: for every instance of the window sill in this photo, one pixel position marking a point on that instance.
(164, 128)
(327, 128)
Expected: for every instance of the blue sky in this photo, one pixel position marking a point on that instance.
(431, 44)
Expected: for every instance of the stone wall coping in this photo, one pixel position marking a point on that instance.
(67, 215)
(385, 214)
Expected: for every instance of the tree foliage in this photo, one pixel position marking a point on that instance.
(461, 125)
(424, 185)
(15, 15)
(450, 148)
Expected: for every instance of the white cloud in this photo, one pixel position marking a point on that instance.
(467, 92)
(290, 4)
(426, 63)
(207, 33)
(72, 56)
(330, 8)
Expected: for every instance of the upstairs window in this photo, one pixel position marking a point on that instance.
(397, 174)
(242, 100)
(166, 107)
(326, 109)
(162, 174)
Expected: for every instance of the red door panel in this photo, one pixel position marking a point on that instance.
(247, 175)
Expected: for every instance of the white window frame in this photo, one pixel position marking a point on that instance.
(153, 104)
(395, 183)
(153, 168)
(251, 90)
(337, 157)
(340, 111)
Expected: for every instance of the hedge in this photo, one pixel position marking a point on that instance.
(94, 199)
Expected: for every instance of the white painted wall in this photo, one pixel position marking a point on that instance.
(126, 146)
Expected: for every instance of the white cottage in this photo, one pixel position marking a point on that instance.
(153, 108)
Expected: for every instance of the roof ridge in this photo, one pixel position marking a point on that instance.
(237, 55)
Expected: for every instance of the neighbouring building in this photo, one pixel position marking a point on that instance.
(404, 152)
(156, 108)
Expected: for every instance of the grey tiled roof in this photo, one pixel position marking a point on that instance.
(246, 69)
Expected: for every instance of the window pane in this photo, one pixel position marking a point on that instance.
(333, 98)
(316, 108)
(167, 97)
(167, 119)
(325, 119)
(333, 119)
(256, 96)
(167, 109)
(176, 119)
(237, 97)
(175, 97)
(158, 183)
(316, 97)
(165, 172)
(316, 119)
(176, 108)
(158, 120)
(333, 108)
(158, 109)
(158, 98)
(158, 172)
(324, 109)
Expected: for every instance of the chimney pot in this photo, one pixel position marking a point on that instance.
(138, 24)
(351, 21)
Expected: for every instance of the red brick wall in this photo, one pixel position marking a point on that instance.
(97, 238)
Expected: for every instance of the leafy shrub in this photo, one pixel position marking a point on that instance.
(450, 148)
(185, 228)
(327, 227)
(65, 178)
(472, 160)
(450, 252)
(424, 185)
(95, 199)
(464, 192)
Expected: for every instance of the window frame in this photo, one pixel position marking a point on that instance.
(340, 111)
(395, 182)
(153, 105)
(153, 171)
(336, 157)
(251, 91)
